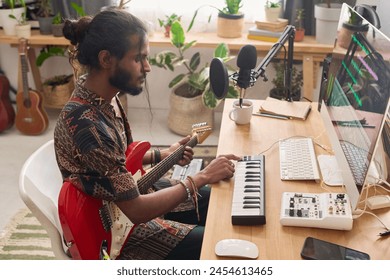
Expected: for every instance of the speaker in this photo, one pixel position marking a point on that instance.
(324, 79)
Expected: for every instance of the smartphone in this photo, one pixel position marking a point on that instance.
(316, 249)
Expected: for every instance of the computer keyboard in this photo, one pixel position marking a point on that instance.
(298, 159)
(357, 160)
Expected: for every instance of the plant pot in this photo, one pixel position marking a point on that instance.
(299, 34)
(230, 26)
(272, 14)
(344, 35)
(167, 31)
(45, 24)
(56, 29)
(57, 96)
(23, 31)
(327, 20)
(184, 112)
(8, 23)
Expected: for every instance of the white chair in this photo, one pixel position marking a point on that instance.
(40, 182)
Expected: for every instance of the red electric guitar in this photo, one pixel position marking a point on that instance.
(7, 112)
(31, 118)
(93, 227)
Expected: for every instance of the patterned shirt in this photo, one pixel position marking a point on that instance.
(90, 145)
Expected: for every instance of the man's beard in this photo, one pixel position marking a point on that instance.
(121, 79)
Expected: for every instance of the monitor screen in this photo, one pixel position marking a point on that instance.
(355, 102)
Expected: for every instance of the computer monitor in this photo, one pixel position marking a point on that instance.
(355, 103)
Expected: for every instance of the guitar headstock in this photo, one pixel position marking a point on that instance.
(201, 130)
(23, 45)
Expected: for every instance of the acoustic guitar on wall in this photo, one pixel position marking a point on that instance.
(7, 112)
(31, 118)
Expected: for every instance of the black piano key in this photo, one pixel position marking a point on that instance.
(251, 206)
(252, 197)
(251, 202)
(251, 190)
(251, 187)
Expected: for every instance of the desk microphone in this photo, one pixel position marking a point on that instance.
(246, 61)
(219, 79)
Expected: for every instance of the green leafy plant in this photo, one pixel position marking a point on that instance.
(270, 4)
(57, 19)
(300, 16)
(48, 52)
(11, 4)
(354, 19)
(232, 8)
(79, 10)
(22, 20)
(169, 20)
(196, 77)
(44, 8)
(279, 90)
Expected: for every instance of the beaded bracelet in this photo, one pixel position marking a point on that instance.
(194, 196)
(186, 188)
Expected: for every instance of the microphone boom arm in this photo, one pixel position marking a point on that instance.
(288, 35)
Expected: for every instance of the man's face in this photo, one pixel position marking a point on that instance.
(129, 73)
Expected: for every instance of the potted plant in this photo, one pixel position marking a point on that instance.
(348, 28)
(167, 22)
(57, 25)
(56, 89)
(44, 16)
(230, 19)
(299, 29)
(11, 7)
(327, 16)
(272, 10)
(22, 28)
(191, 99)
(279, 89)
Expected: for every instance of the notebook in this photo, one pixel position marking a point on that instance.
(292, 110)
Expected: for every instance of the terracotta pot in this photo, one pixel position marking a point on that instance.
(344, 36)
(299, 34)
(230, 26)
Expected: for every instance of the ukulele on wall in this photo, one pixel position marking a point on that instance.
(31, 118)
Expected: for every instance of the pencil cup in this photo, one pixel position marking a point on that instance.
(241, 115)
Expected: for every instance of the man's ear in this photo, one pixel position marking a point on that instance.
(105, 59)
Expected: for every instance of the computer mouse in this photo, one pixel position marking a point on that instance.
(236, 248)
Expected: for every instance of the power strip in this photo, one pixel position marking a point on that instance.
(378, 202)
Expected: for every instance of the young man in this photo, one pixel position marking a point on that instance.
(93, 133)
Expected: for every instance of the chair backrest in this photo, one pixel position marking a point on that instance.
(40, 182)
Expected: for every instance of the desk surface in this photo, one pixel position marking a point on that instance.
(274, 240)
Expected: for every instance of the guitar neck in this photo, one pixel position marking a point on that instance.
(24, 65)
(147, 181)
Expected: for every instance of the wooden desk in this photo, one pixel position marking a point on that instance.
(308, 51)
(274, 240)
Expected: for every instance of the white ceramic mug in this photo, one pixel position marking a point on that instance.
(241, 115)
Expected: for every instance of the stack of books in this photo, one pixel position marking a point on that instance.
(267, 31)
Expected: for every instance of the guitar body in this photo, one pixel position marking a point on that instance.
(91, 224)
(81, 223)
(31, 118)
(79, 214)
(7, 112)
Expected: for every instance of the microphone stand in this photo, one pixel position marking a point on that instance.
(288, 35)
